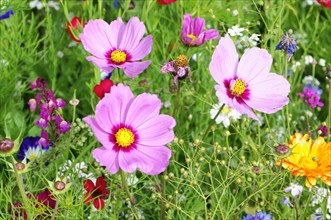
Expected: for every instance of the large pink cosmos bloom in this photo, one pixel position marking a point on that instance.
(117, 45)
(132, 132)
(192, 31)
(247, 84)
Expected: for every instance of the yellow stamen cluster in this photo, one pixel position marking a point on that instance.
(181, 61)
(118, 56)
(238, 88)
(124, 137)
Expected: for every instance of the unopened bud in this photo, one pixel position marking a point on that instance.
(282, 149)
(59, 185)
(6, 145)
(20, 166)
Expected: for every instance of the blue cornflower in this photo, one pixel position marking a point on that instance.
(288, 44)
(317, 90)
(317, 216)
(6, 15)
(31, 149)
(287, 202)
(258, 216)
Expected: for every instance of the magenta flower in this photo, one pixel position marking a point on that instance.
(132, 132)
(310, 98)
(192, 31)
(117, 45)
(247, 84)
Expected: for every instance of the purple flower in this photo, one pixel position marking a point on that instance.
(6, 15)
(287, 202)
(310, 98)
(61, 125)
(192, 31)
(178, 67)
(258, 216)
(32, 104)
(39, 83)
(60, 103)
(44, 141)
(295, 189)
(31, 149)
(117, 45)
(288, 44)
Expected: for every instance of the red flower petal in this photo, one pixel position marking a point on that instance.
(89, 185)
(104, 87)
(165, 2)
(99, 203)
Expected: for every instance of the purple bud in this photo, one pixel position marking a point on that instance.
(43, 141)
(42, 123)
(323, 131)
(20, 166)
(64, 126)
(32, 104)
(6, 145)
(282, 149)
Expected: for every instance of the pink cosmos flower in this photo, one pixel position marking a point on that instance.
(117, 45)
(192, 31)
(132, 132)
(247, 84)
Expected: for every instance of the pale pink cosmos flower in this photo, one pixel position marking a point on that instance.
(192, 31)
(132, 132)
(248, 84)
(117, 45)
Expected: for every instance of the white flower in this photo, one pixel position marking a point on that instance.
(321, 62)
(255, 37)
(36, 4)
(195, 56)
(72, 44)
(34, 152)
(78, 169)
(309, 59)
(54, 5)
(295, 189)
(74, 102)
(235, 12)
(235, 31)
(310, 80)
(225, 115)
(60, 54)
(295, 66)
(167, 104)
(132, 180)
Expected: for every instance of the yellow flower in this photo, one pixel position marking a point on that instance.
(309, 158)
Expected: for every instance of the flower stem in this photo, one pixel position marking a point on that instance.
(329, 114)
(56, 206)
(176, 100)
(212, 123)
(296, 210)
(21, 188)
(163, 194)
(131, 196)
(286, 107)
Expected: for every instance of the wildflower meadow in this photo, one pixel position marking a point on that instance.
(165, 109)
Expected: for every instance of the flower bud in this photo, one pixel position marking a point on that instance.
(282, 149)
(20, 166)
(6, 145)
(323, 131)
(59, 185)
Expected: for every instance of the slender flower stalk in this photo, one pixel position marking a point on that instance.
(130, 195)
(213, 122)
(21, 188)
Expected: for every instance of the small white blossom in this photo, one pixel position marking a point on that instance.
(167, 104)
(235, 12)
(310, 80)
(36, 4)
(321, 62)
(235, 31)
(54, 5)
(309, 59)
(295, 66)
(60, 54)
(225, 116)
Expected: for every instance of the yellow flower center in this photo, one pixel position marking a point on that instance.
(124, 137)
(309, 162)
(32, 157)
(118, 56)
(238, 87)
(193, 37)
(226, 110)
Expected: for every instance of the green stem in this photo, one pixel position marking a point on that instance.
(21, 188)
(74, 111)
(296, 210)
(176, 100)
(212, 123)
(286, 107)
(119, 75)
(163, 196)
(329, 114)
(131, 196)
(56, 206)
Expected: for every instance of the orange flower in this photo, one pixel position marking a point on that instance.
(309, 158)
